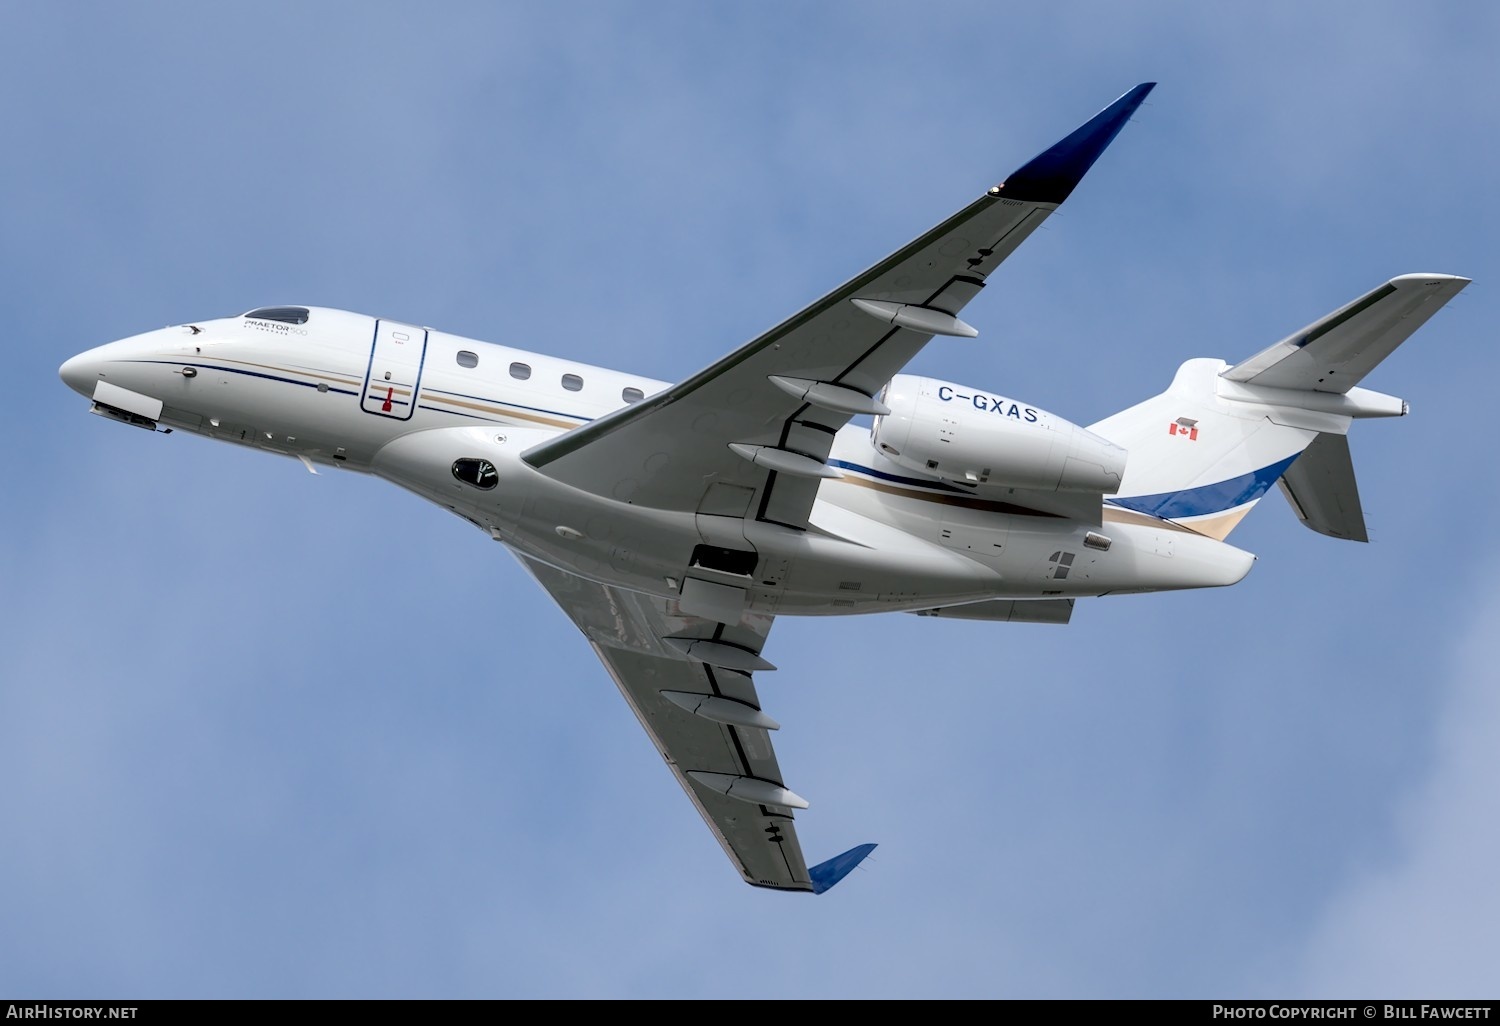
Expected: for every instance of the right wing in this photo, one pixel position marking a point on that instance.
(688, 681)
(748, 437)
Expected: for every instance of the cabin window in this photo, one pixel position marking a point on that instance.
(284, 314)
(467, 359)
(520, 371)
(632, 395)
(479, 473)
(572, 382)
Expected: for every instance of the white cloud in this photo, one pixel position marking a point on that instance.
(1426, 923)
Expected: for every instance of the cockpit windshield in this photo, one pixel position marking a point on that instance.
(284, 314)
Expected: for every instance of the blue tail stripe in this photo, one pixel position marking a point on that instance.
(825, 874)
(1206, 499)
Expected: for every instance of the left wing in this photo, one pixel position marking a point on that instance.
(755, 428)
(688, 681)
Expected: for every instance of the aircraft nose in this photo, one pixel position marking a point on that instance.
(81, 372)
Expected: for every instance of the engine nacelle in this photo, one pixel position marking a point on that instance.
(971, 437)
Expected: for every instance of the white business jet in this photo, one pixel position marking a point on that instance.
(674, 522)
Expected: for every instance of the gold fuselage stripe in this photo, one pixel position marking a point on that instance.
(427, 396)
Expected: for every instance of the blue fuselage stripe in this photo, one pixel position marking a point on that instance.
(247, 373)
(1206, 499)
(502, 402)
(896, 478)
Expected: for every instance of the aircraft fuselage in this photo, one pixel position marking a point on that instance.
(448, 417)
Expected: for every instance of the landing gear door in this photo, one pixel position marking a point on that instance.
(395, 371)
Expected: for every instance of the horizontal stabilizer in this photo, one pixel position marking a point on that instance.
(1335, 352)
(1321, 488)
(826, 874)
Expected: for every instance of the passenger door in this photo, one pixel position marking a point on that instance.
(396, 357)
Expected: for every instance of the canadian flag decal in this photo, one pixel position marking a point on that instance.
(1186, 427)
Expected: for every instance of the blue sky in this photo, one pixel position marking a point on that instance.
(264, 734)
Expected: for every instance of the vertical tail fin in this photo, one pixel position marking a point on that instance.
(1206, 450)
(1196, 459)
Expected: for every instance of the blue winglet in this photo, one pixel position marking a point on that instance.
(826, 874)
(1051, 176)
